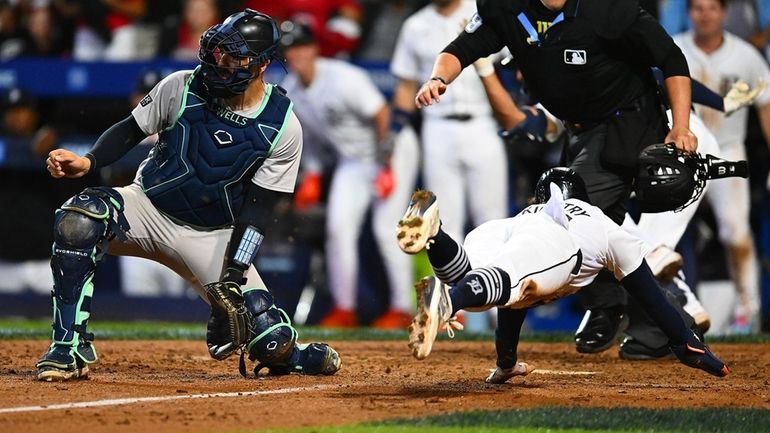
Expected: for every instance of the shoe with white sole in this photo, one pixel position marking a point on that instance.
(419, 224)
(664, 262)
(60, 364)
(501, 375)
(434, 312)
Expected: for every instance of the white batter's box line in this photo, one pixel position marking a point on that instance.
(563, 372)
(135, 400)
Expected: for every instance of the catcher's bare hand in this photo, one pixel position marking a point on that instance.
(229, 327)
(429, 92)
(63, 163)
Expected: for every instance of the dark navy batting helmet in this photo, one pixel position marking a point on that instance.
(570, 183)
(294, 33)
(248, 35)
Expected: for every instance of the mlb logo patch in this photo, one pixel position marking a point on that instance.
(145, 101)
(575, 57)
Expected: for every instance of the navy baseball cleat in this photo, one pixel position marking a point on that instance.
(59, 364)
(695, 354)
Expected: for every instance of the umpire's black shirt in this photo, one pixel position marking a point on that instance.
(582, 63)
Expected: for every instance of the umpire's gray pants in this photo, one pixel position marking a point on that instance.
(196, 255)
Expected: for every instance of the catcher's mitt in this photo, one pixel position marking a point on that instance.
(229, 326)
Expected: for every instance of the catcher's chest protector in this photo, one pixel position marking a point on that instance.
(197, 170)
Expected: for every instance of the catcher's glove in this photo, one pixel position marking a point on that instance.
(229, 326)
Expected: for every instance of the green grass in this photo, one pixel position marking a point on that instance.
(17, 329)
(571, 420)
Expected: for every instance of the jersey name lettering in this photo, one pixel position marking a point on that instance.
(229, 115)
(574, 210)
(571, 209)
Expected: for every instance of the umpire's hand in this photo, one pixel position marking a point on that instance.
(63, 163)
(429, 92)
(682, 138)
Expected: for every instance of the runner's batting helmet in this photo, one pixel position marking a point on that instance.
(570, 183)
(247, 35)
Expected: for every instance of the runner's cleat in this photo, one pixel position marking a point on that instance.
(419, 224)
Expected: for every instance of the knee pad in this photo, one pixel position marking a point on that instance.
(82, 228)
(274, 337)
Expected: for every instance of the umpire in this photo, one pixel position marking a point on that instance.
(589, 63)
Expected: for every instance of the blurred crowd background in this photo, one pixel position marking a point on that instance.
(71, 68)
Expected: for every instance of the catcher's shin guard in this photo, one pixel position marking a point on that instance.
(274, 343)
(82, 228)
(273, 339)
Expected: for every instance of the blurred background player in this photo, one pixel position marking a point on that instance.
(463, 158)
(341, 110)
(25, 256)
(336, 24)
(718, 59)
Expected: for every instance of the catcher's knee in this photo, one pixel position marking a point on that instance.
(90, 219)
(274, 337)
(76, 230)
(80, 235)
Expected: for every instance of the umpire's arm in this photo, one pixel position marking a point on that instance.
(464, 50)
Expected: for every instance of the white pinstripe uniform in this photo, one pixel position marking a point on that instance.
(539, 247)
(337, 107)
(729, 198)
(464, 162)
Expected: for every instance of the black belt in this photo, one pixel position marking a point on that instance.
(578, 127)
(641, 103)
(460, 117)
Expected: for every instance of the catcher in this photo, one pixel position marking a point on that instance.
(201, 203)
(549, 250)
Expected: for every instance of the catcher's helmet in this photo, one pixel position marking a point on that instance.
(569, 182)
(668, 178)
(244, 35)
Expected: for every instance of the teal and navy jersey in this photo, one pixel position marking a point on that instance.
(205, 153)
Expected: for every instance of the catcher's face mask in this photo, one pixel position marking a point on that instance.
(672, 179)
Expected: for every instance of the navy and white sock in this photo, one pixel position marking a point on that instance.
(481, 287)
(448, 258)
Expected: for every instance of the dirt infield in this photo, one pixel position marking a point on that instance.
(378, 380)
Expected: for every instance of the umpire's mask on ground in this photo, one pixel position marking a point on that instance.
(672, 179)
(570, 183)
(231, 52)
